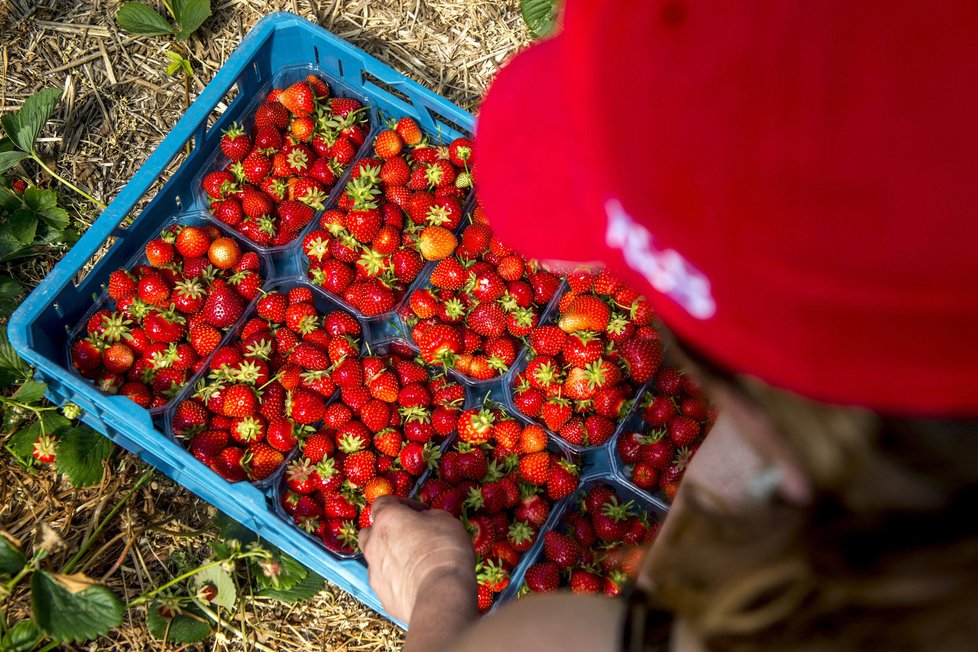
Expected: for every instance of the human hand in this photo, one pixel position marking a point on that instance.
(411, 552)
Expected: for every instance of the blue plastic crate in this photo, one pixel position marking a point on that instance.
(279, 48)
(40, 328)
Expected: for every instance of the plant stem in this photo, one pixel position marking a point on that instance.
(146, 596)
(50, 646)
(147, 474)
(227, 625)
(26, 570)
(67, 183)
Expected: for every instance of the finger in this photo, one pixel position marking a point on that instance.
(362, 537)
(389, 502)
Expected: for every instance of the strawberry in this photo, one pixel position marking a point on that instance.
(223, 307)
(448, 274)
(409, 131)
(582, 581)
(563, 480)
(645, 476)
(295, 215)
(235, 143)
(535, 468)
(121, 285)
(475, 426)
(240, 401)
(306, 406)
(586, 312)
(543, 577)
(683, 431)
(436, 243)
(547, 340)
(298, 99)
(643, 358)
(388, 144)
(44, 450)
(360, 467)
(370, 297)
(262, 460)
(561, 550)
(271, 114)
(555, 413)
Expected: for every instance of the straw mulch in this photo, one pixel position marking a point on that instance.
(118, 105)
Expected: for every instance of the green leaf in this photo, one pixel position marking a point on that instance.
(56, 218)
(227, 592)
(22, 637)
(6, 144)
(73, 607)
(22, 226)
(10, 249)
(292, 572)
(21, 443)
(12, 368)
(30, 392)
(9, 202)
(305, 589)
(11, 558)
(23, 125)
(11, 292)
(57, 237)
(140, 19)
(38, 199)
(184, 629)
(539, 15)
(80, 454)
(190, 14)
(10, 159)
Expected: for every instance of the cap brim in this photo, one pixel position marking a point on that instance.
(531, 171)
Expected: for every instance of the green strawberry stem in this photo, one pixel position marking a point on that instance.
(146, 597)
(67, 183)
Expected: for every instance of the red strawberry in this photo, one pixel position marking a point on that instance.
(563, 480)
(271, 114)
(223, 307)
(535, 467)
(409, 131)
(586, 312)
(582, 581)
(543, 577)
(683, 431)
(306, 406)
(234, 143)
(555, 413)
(240, 401)
(388, 144)
(561, 549)
(44, 448)
(298, 99)
(262, 460)
(643, 357)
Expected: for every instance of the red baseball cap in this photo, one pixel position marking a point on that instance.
(792, 184)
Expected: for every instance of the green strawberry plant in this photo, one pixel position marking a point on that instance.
(540, 16)
(22, 128)
(187, 609)
(140, 18)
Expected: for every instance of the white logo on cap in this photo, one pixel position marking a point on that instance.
(665, 270)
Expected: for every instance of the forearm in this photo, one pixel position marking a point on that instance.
(445, 608)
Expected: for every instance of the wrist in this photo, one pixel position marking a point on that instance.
(444, 607)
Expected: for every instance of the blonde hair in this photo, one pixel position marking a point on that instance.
(885, 557)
